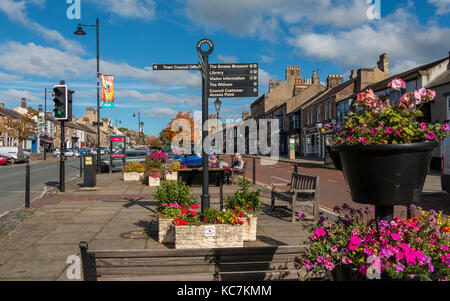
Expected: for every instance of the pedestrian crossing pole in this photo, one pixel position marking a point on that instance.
(27, 185)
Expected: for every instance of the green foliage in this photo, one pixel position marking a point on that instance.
(174, 192)
(245, 197)
(209, 215)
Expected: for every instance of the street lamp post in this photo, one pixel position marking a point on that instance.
(217, 103)
(80, 32)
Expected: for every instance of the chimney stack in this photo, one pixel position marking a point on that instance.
(24, 103)
(315, 78)
(293, 72)
(354, 74)
(383, 63)
(334, 80)
(245, 115)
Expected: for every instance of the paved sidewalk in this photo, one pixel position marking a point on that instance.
(116, 215)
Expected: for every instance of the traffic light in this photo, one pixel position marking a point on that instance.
(61, 102)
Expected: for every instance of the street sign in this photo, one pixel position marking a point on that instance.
(95, 123)
(233, 80)
(176, 67)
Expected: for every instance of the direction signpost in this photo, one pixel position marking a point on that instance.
(218, 80)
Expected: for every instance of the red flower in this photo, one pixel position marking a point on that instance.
(193, 213)
(184, 210)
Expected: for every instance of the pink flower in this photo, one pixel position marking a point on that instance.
(397, 84)
(319, 232)
(363, 270)
(363, 140)
(397, 132)
(389, 130)
(350, 139)
(374, 131)
(354, 243)
(446, 127)
(329, 265)
(320, 259)
(423, 126)
(346, 260)
(431, 135)
(396, 236)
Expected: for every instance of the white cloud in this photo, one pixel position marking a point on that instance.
(400, 35)
(160, 112)
(14, 97)
(16, 11)
(32, 59)
(139, 9)
(227, 59)
(4, 76)
(264, 18)
(266, 58)
(162, 98)
(443, 6)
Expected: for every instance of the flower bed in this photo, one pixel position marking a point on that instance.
(188, 237)
(416, 248)
(133, 172)
(249, 228)
(166, 231)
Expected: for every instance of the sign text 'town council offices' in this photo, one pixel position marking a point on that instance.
(225, 80)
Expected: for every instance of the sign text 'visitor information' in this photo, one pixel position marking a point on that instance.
(225, 80)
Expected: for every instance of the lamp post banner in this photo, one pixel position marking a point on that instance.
(107, 91)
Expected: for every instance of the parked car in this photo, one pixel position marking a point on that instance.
(72, 152)
(190, 160)
(16, 153)
(4, 160)
(445, 177)
(68, 153)
(130, 156)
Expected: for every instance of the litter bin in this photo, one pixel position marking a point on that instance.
(90, 171)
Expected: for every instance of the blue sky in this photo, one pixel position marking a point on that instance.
(38, 47)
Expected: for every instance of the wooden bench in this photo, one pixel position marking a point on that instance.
(215, 264)
(302, 188)
(238, 172)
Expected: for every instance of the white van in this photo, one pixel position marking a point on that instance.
(14, 152)
(445, 151)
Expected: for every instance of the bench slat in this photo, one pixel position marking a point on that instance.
(155, 270)
(258, 258)
(256, 266)
(158, 261)
(162, 277)
(259, 276)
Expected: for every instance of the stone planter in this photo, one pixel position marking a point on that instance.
(132, 176)
(218, 236)
(166, 231)
(154, 181)
(249, 228)
(172, 176)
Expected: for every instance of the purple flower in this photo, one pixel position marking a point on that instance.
(300, 215)
(399, 267)
(344, 251)
(321, 220)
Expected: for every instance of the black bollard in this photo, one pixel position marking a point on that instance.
(295, 168)
(254, 171)
(81, 165)
(27, 186)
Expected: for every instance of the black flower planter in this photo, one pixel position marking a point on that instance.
(334, 155)
(345, 273)
(386, 175)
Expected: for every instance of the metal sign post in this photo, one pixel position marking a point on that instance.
(218, 80)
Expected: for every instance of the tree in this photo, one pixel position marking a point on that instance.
(170, 134)
(20, 128)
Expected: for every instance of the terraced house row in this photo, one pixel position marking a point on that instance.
(26, 126)
(307, 108)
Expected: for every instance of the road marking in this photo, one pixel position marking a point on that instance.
(332, 181)
(281, 179)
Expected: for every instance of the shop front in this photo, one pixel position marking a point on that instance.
(311, 142)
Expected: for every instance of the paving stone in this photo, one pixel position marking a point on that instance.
(16, 243)
(37, 252)
(65, 238)
(78, 228)
(80, 219)
(32, 269)
(117, 244)
(7, 254)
